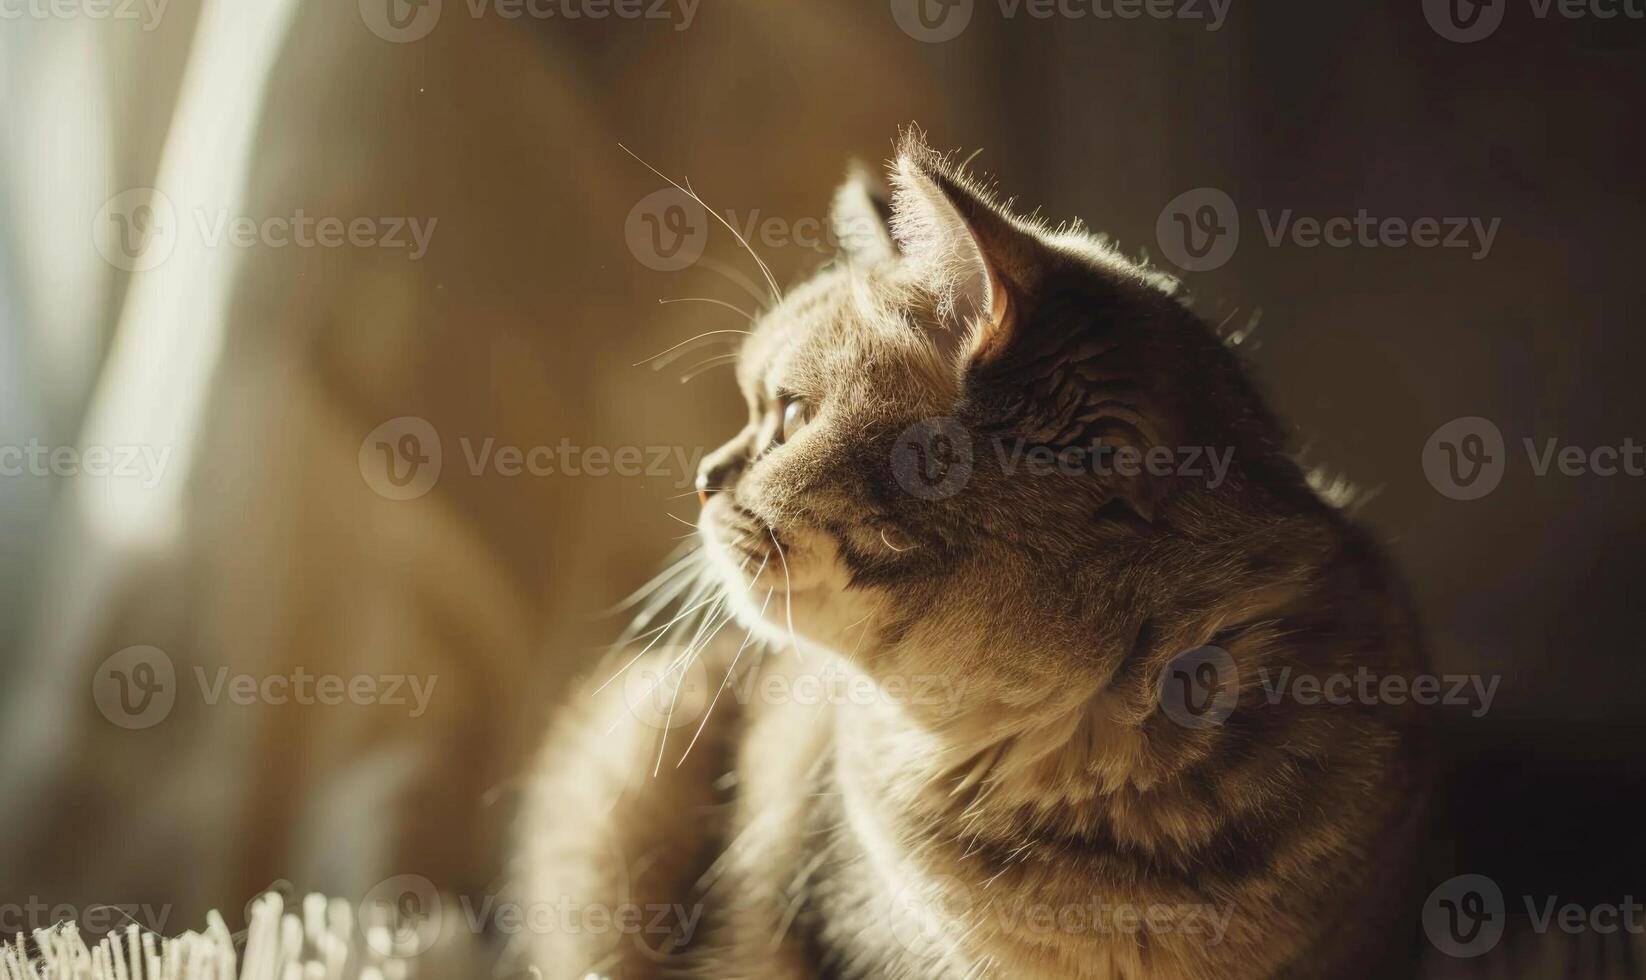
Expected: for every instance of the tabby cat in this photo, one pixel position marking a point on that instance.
(1019, 552)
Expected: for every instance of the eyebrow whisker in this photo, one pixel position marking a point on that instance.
(720, 360)
(764, 269)
(688, 341)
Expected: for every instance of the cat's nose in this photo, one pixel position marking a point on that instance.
(716, 475)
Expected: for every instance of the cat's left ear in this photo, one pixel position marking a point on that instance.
(861, 217)
(981, 263)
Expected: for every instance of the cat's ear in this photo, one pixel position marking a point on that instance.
(980, 262)
(861, 217)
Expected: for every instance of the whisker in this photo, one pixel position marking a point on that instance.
(661, 632)
(709, 365)
(673, 568)
(707, 621)
(691, 340)
(717, 302)
(668, 669)
(892, 546)
(788, 591)
(748, 637)
(689, 587)
(687, 584)
(859, 644)
(693, 493)
(707, 618)
(682, 520)
(735, 277)
(663, 742)
(764, 269)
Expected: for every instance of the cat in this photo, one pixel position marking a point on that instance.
(1021, 525)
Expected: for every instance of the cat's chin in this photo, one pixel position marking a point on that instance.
(795, 595)
(813, 621)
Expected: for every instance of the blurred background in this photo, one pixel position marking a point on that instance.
(320, 331)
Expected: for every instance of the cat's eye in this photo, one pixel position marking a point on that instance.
(796, 413)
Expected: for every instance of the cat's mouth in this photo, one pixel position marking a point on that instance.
(744, 533)
(755, 558)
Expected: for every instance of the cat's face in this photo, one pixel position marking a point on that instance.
(790, 501)
(933, 422)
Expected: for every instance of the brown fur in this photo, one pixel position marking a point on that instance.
(971, 834)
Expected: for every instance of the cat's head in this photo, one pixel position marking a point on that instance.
(969, 422)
